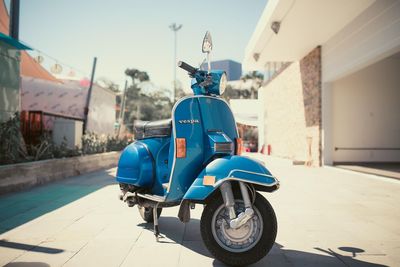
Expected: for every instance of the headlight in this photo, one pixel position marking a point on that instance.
(222, 84)
(218, 82)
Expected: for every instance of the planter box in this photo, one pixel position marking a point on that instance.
(16, 177)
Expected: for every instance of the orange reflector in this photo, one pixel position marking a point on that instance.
(180, 147)
(239, 146)
(208, 180)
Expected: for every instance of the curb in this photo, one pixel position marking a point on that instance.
(363, 174)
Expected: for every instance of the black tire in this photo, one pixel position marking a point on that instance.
(147, 213)
(255, 253)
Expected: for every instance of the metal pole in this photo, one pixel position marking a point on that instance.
(175, 28)
(89, 95)
(122, 108)
(174, 96)
(14, 19)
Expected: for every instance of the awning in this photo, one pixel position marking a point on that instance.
(303, 26)
(14, 43)
(245, 111)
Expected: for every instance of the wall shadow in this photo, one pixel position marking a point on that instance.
(27, 264)
(188, 235)
(19, 208)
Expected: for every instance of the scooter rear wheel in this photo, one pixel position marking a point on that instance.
(147, 213)
(245, 245)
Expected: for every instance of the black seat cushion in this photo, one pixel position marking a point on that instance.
(147, 129)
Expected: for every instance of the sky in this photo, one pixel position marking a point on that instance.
(135, 34)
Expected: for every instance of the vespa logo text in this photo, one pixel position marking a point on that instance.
(189, 121)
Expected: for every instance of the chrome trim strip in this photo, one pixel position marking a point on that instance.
(256, 173)
(217, 184)
(223, 147)
(155, 198)
(174, 128)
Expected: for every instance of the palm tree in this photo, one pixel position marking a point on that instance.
(257, 80)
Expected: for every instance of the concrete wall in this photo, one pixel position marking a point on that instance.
(68, 131)
(69, 98)
(101, 117)
(292, 113)
(9, 81)
(21, 176)
(366, 113)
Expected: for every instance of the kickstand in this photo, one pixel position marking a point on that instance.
(156, 230)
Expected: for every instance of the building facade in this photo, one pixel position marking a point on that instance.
(333, 88)
(232, 68)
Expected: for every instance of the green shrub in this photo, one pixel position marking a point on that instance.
(12, 146)
(13, 149)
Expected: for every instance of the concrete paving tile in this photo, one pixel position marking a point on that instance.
(119, 231)
(52, 259)
(194, 253)
(66, 245)
(319, 210)
(354, 256)
(391, 249)
(7, 255)
(15, 209)
(368, 261)
(303, 258)
(158, 254)
(27, 264)
(168, 236)
(101, 253)
(37, 231)
(10, 250)
(75, 233)
(275, 257)
(171, 229)
(192, 230)
(69, 211)
(88, 224)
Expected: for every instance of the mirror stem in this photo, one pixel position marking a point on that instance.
(208, 62)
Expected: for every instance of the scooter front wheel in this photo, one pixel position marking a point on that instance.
(147, 213)
(244, 245)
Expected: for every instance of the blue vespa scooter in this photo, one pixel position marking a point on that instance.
(194, 158)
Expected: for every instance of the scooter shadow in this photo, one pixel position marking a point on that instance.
(281, 256)
(188, 235)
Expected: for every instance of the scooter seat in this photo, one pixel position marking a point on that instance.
(147, 129)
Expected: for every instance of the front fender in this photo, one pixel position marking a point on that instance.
(231, 168)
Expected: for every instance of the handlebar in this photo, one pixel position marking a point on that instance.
(187, 67)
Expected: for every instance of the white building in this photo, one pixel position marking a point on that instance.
(334, 89)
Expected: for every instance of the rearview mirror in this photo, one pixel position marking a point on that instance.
(207, 43)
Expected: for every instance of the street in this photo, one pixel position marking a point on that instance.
(326, 217)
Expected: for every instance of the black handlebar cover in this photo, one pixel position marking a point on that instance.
(187, 67)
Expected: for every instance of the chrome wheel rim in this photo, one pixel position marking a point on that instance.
(236, 240)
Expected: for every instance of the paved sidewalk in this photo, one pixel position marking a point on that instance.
(326, 217)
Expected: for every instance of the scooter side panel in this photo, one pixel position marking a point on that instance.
(194, 118)
(218, 122)
(229, 168)
(135, 166)
(186, 121)
(159, 150)
(217, 115)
